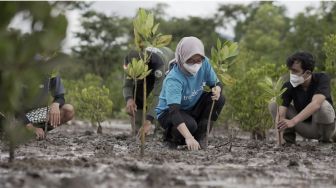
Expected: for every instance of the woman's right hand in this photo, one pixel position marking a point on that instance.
(192, 144)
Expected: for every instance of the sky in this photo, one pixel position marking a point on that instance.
(175, 9)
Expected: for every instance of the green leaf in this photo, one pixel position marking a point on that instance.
(219, 44)
(163, 40)
(155, 28)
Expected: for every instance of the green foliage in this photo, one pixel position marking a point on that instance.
(20, 134)
(145, 32)
(329, 48)
(272, 90)
(20, 74)
(246, 98)
(220, 60)
(137, 70)
(75, 87)
(94, 103)
(91, 98)
(144, 36)
(114, 84)
(265, 32)
(203, 28)
(102, 44)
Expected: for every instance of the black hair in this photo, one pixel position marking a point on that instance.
(306, 59)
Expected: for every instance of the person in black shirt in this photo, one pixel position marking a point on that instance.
(307, 107)
(158, 63)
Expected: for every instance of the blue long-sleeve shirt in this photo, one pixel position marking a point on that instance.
(185, 90)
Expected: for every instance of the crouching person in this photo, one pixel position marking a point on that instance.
(54, 115)
(183, 108)
(307, 104)
(158, 63)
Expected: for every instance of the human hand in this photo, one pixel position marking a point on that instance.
(284, 124)
(38, 131)
(192, 144)
(215, 93)
(147, 127)
(54, 115)
(131, 107)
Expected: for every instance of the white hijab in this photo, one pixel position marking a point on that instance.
(185, 49)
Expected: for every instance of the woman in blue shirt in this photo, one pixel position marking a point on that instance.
(183, 108)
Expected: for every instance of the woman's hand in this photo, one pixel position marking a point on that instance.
(192, 144)
(216, 93)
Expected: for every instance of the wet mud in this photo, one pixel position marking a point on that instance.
(75, 156)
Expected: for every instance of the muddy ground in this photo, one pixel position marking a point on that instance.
(75, 156)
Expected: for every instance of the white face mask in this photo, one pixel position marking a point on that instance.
(192, 68)
(296, 80)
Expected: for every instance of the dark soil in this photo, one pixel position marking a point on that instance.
(75, 156)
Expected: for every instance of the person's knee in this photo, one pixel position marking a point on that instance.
(68, 112)
(191, 125)
(326, 114)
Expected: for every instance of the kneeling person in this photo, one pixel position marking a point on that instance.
(56, 114)
(307, 104)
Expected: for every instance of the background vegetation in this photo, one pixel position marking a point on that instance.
(265, 34)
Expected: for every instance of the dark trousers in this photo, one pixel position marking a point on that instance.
(195, 119)
(140, 90)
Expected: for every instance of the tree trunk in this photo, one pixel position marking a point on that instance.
(99, 129)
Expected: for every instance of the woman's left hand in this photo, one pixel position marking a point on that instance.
(215, 93)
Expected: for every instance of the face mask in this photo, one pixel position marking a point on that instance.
(296, 80)
(192, 68)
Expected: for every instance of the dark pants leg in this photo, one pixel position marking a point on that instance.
(172, 134)
(202, 110)
(140, 91)
(195, 119)
(139, 102)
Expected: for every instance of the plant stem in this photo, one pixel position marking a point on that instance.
(47, 111)
(279, 132)
(11, 141)
(208, 124)
(209, 120)
(134, 99)
(11, 149)
(99, 129)
(142, 151)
